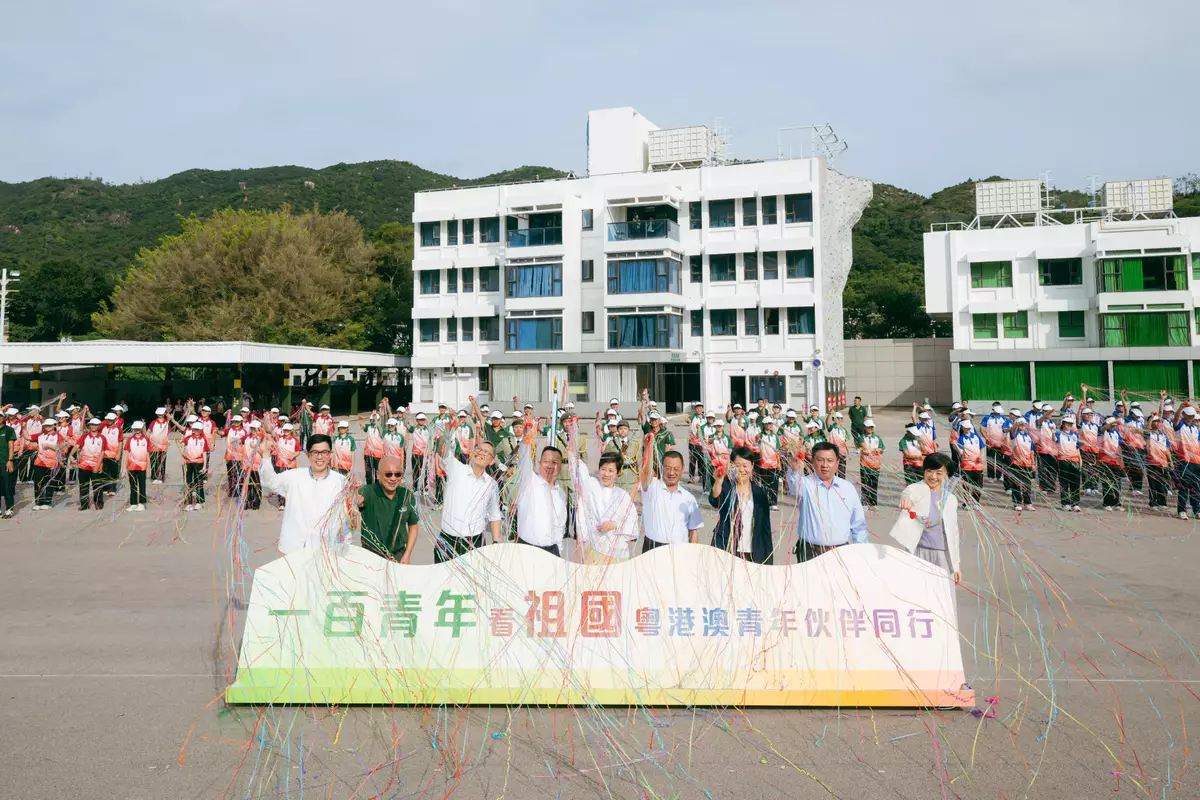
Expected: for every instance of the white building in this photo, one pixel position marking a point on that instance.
(662, 269)
(1044, 301)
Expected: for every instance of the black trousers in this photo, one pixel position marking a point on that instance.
(1189, 489)
(993, 462)
(8, 486)
(1133, 468)
(1068, 482)
(1159, 479)
(807, 552)
(91, 489)
(974, 479)
(695, 460)
(1111, 477)
(1047, 472)
(913, 474)
(842, 467)
(158, 466)
(869, 477)
(649, 544)
(448, 546)
(233, 475)
(24, 465)
(193, 475)
(552, 549)
(1091, 472)
(768, 478)
(372, 467)
(253, 490)
(1020, 480)
(43, 485)
(137, 487)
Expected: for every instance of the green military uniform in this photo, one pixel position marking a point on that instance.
(385, 521)
(663, 440)
(629, 450)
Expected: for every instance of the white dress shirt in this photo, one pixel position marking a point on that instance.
(668, 516)
(541, 507)
(470, 503)
(597, 504)
(314, 514)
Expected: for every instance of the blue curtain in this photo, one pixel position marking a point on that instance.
(635, 276)
(535, 334)
(637, 331)
(535, 281)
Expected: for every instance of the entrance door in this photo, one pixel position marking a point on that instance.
(737, 390)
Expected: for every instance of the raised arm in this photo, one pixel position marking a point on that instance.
(647, 473)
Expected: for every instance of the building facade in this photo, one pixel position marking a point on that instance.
(663, 269)
(1055, 299)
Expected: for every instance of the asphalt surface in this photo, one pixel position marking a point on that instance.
(118, 633)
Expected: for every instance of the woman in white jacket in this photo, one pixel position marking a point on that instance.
(928, 521)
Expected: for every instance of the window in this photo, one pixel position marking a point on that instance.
(1016, 325)
(769, 210)
(489, 329)
(802, 321)
(577, 382)
(535, 280)
(430, 330)
(750, 211)
(750, 266)
(694, 216)
(587, 219)
(751, 315)
(468, 329)
(1060, 271)
(489, 279)
(535, 333)
(696, 265)
(451, 281)
(769, 388)
(720, 213)
(452, 232)
(723, 321)
(697, 323)
(431, 234)
(797, 208)
(1143, 273)
(468, 279)
(1196, 266)
(771, 321)
(588, 270)
(452, 330)
(799, 263)
(722, 267)
(489, 230)
(468, 231)
(430, 281)
(991, 275)
(644, 275)
(1169, 329)
(770, 264)
(985, 326)
(588, 325)
(511, 226)
(644, 331)
(1070, 325)
(485, 379)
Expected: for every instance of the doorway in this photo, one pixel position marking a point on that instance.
(682, 386)
(737, 390)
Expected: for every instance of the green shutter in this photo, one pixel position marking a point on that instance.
(1055, 378)
(1145, 330)
(985, 326)
(1177, 329)
(1070, 325)
(1177, 272)
(987, 382)
(1131, 275)
(1109, 279)
(1112, 327)
(1151, 377)
(1016, 325)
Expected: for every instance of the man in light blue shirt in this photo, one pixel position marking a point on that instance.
(831, 512)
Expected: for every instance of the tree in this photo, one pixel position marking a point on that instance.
(56, 299)
(266, 276)
(394, 299)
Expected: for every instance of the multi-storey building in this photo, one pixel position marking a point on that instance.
(1044, 301)
(664, 268)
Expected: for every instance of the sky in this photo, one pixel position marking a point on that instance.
(927, 94)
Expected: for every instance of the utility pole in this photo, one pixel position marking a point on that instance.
(6, 277)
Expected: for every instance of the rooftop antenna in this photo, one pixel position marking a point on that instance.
(823, 142)
(1045, 178)
(720, 141)
(1093, 185)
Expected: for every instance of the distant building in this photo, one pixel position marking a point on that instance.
(1044, 300)
(664, 268)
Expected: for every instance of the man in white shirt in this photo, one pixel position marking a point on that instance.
(606, 519)
(670, 514)
(471, 498)
(541, 502)
(315, 514)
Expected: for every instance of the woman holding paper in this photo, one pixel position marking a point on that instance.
(928, 523)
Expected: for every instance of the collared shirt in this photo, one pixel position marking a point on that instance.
(313, 515)
(669, 515)
(470, 502)
(541, 507)
(829, 515)
(598, 504)
(385, 521)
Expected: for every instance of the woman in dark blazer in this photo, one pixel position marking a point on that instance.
(731, 498)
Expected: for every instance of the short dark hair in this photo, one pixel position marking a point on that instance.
(938, 461)
(856, 397)
(550, 449)
(673, 454)
(820, 446)
(316, 439)
(611, 458)
(744, 453)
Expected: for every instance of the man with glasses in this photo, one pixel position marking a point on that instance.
(388, 513)
(313, 516)
(472, 499)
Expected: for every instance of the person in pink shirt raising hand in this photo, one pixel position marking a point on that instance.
(137, 464)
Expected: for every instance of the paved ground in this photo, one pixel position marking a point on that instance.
(116, 632)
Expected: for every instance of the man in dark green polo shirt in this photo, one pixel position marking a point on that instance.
(389, 515)
(858, 413)
(8, 476)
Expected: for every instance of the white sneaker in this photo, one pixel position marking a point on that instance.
(1076, 509)
(1066, 508)
(1183, 515)
(774, 508)
(1017, 508)
(156, 482)
(189, 507)
(1029, 508)
(1137, 493)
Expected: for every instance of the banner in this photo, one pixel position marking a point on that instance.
(863, 625)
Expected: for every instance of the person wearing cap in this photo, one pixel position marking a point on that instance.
(720, 448)
(373, 448)
(8, 472)
(1111, 462)
(251, 469)
(1133, 431)
(927, 525)
(208, 426)
(88, 451)
(464, 436)
(812, 438)
(753, 430)
(654, 427)
(912, 456)
(159, 434)
(614, 406)
(1022, 458)
(952, 422)
(770, 465)
(994, 428)
(235, 438)
(791, 431)
(1047, 452)
(316, 514)
(444, 419)
(926, 431)
(393, 439)
(343, 449)
(830, 510)
(972, 455)
(285, 448)
(814, 415)
(834, 432)
(695, 443)
(624, 446)
(870, 461)
(1088, 428)
(48, 448)
(323, 423)
(113, 435)
(504, 442)
(1068, 451)
(31, 429)
(1158, 461)
(137, 464)
(305, 419)
(858, 415)
(62, 422)
(1035, 411)
(195, 454)
(735, 424)
(1187, 451)
(76, 422)
(707, 431)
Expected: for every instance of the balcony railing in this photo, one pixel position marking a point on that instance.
(643, 229)
(534, 237)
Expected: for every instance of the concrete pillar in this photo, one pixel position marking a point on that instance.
(110, 390)
(1112, 386)
(354, 392)
(1191, 379)
(1033, 382)
(377, 393)
(325, 392)
(285, 395)
(35, 386)
(236, 401)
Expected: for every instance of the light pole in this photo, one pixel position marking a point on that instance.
(6, 277)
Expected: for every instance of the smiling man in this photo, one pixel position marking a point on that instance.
(388, 513)
(313, 516)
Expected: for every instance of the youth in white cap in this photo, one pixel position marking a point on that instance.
(421, 415)
(493, 415)
(868, 423)
(110, 416)
(343, 424)
(160, 411)
(137, 425)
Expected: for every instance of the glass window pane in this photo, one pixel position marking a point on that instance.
(770, 266)
(797, 208)
(750, 211)
(769, 216)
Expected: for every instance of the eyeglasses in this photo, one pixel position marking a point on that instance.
(391, 474)
(312, 453)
